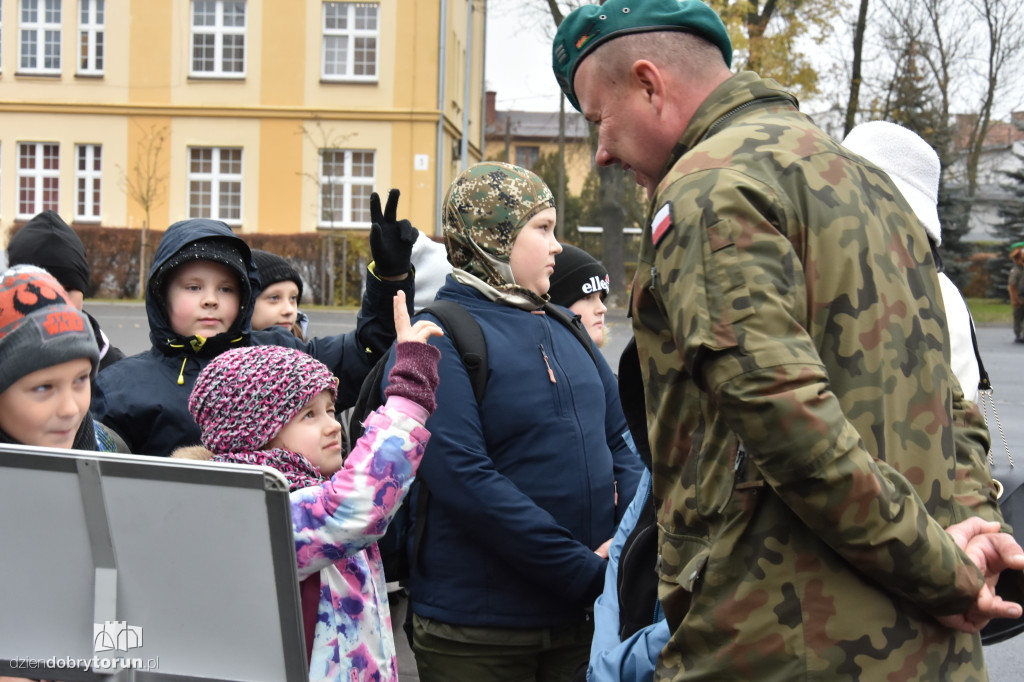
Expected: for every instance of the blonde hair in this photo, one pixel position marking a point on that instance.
(197, 452)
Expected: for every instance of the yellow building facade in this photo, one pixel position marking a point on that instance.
(275, 116)
(523, 137)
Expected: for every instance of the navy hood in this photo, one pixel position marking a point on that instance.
(192, 237)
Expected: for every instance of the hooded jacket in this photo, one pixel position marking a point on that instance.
(522, 485)
(144, 398)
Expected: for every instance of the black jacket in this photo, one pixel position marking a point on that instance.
(144, 398)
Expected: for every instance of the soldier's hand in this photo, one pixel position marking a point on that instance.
(989, 605)
(991, 550)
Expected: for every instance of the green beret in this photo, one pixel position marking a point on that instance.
(1016, 245)
(591, 25)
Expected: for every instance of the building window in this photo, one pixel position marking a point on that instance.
(90, 37)
(218, 38)
(38, 178)
(346, 182)
(40, 36)
(88, 167)
(215, 183)
(527, 157)
(350, 41)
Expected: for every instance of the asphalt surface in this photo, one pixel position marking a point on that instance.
(126, 326)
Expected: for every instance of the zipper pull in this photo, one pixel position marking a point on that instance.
(543, 354)
(181, 373)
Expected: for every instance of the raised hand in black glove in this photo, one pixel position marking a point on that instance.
(391, 240)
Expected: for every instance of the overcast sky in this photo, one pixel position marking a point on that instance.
(518, 60)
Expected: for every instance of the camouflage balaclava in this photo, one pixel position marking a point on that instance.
(486, 207)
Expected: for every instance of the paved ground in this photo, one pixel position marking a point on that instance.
(125, 324)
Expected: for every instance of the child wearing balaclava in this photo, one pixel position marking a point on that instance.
(522, 484)
(274, 407)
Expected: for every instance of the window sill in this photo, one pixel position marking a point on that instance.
(349, 81)
(90, 76)
(216, 79)
(34, 74)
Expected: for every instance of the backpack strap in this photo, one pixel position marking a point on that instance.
(465, 334)
(367, 401)
(984, 384)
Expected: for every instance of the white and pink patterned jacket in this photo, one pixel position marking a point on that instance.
(336, 526)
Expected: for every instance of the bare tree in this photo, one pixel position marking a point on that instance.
(855, 76)
(1004, 42)
(146, 183)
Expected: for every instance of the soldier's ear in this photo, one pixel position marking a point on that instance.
(646, 76)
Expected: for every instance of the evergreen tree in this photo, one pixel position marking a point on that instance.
(1010, 230)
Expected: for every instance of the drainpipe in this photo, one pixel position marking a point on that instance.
(483, 93)
(468, 81)
(441, 52)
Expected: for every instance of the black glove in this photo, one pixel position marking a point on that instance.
(391, 240)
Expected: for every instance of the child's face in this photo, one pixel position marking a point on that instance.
(202, 299)
(533, 254)
(591, 310)
(315, 434)
(278, 304)
(46, 407)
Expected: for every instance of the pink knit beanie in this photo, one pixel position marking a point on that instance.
(245, 396)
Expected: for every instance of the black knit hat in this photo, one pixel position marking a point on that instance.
(48, 242)
(216, 249)
(274, 269)
(577, 274)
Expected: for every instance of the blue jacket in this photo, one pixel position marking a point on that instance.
(144, 398)
(523, 485)
(631, 660)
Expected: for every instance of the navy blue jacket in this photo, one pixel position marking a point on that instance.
(523, 485)
(140, 397)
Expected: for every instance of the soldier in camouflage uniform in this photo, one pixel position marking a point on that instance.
(800, 406)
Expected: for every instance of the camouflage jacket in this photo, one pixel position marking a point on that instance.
(785, 313)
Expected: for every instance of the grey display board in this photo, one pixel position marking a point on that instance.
(121, 567)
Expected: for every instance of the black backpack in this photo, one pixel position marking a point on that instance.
(465, 334)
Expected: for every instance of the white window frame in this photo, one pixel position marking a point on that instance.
(220, 182)
(88, 182)
(354, 210)
(351, 36)
(91, 35)
(219, 32)
(40, 19)
(42, 182)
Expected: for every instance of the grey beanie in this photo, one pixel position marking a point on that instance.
(39, 327)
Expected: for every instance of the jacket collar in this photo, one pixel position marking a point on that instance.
(739, 93)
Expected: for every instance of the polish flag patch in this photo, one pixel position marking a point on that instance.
(661, 223)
